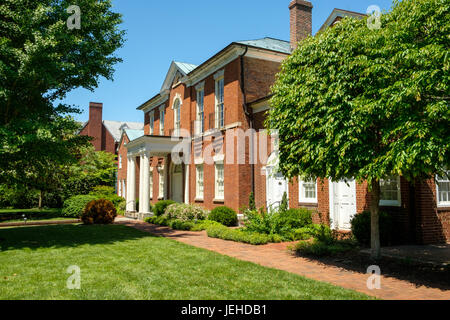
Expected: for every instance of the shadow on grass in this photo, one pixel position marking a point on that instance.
(401, 269)
(65, 236)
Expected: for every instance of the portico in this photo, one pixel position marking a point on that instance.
(144, 148)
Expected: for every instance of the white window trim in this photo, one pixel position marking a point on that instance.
(198, 127)
(162, 119)
(216, 186)
(199, 196)
(176, 129)
(152, 122)
(151, 184)
(161, 182)
(443, 204)
(120, 161)
(301, 189)
(393, 203)
(217, 77)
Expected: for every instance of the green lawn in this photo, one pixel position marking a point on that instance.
(118, 262)
(16, 215)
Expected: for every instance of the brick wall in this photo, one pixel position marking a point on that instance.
(300, 20)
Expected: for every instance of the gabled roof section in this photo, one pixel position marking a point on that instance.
(269, 44)
(115, 128)
(339, 14)
(182, 67)
(133, 134)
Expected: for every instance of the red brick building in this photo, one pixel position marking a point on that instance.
(106, 134)
(212, 116)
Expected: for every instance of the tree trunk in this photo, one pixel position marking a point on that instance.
(40, 199)
(375, 220)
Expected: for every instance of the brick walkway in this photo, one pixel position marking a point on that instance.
(276, 256)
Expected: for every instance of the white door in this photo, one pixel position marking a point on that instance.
(344, 203)
(275, 188)
(177, 184)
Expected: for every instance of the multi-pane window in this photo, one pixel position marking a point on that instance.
(151, 184)
(219, 185)
(162, 116)
(152, 123)
(308, 191)
(390, 191)
(443, 190)
(124, 189)
(200, 189)
(120, 188)
(120, 162)
(177, 117)
(200, 127)
(161, 183)
(220, 111)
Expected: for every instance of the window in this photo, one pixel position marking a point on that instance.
(152, 123)
(161, 183)
(219, 185)
(199, 189)
(177, 116)
(220, 111)
(307, 191)
(124, 189)
(390, 192)
(120, 162)
(443, 190)
(200, 126)
(162, 116)
(151, 183)
(120, 188)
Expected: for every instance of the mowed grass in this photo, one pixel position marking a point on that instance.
(119, 262)
(16, 215)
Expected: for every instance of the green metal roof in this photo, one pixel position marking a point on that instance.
(134, 134)
(185, 67)
(269, 44)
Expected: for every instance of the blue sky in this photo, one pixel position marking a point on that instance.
(159, 32)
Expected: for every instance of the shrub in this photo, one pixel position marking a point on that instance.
(296, 218)
(262, 222)
(160, 207)
(224, 215)
(222, 232)
(205, 224)
(319, 248)
(251, 202)
(361, 228)
(107, 193)
(74, 206)
(284, 205)
(99, 212)
(161, 220)
(185, 212)
(122, 207)
(181, 225)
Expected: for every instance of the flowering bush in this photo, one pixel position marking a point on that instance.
(185, 212)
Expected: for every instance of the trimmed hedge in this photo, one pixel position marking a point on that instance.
(185, 212)
(74, 206)
(160, 208)
(237, 235)
(295, 218)
(99, 212)
(224, 215)
(361, 228)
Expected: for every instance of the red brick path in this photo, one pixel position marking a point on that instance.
(276, 256)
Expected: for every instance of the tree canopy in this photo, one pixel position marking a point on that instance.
(41, 60)
(362, 103)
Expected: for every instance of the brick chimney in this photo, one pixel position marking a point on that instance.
(301, 21)
(96, 124)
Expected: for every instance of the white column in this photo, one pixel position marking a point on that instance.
(166, 169)
(127, 196)
(141, 180)
(146, 184)
(186, 185)
(132, 196)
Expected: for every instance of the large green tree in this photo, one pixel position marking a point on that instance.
(41, 60)
(364, 103)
